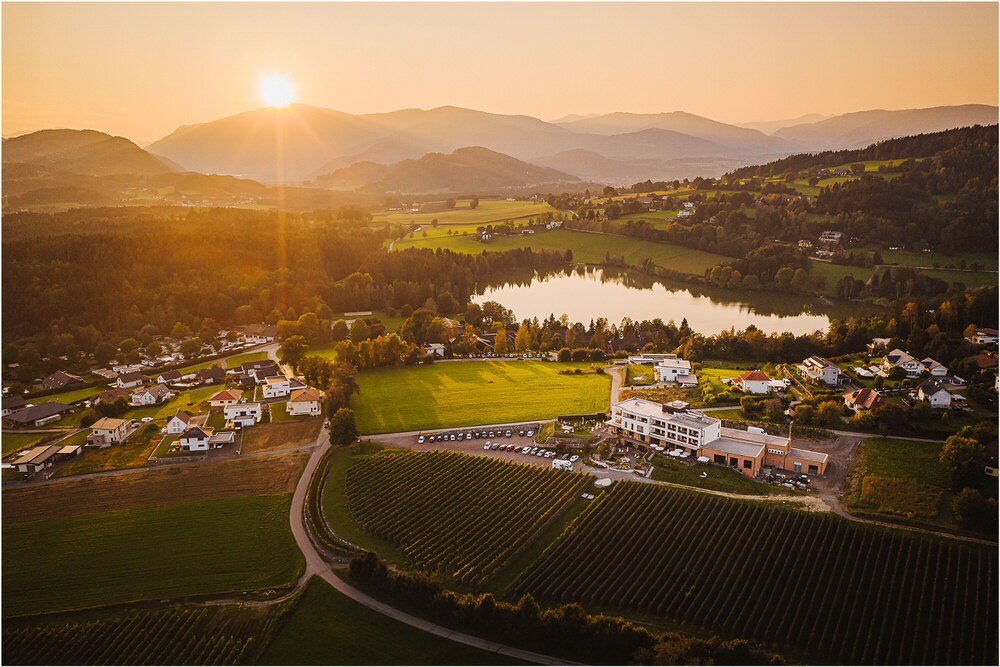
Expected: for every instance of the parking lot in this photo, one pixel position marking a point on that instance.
(501, 445)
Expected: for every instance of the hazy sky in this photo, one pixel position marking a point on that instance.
(142, 70)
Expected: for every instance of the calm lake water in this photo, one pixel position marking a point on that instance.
(586, 295)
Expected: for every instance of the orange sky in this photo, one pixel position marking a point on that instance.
(142, 70)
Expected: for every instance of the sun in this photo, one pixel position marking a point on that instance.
(276, 90)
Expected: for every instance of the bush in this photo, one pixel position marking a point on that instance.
(565, 354)
(972, 510)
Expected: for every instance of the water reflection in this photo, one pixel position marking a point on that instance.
(586, 294)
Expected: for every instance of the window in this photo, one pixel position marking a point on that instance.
(748, 464)
(733, 461)
(720, 458)
(813, 470)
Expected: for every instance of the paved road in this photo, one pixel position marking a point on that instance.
(617, 374)
(316, 566)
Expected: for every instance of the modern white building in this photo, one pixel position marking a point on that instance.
(276, 387)
(243, 414)
(821, 370)
(674, 369)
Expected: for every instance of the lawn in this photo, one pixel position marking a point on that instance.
(71, 396)
(284, 434)
(489, 210)
(717, 478)
(831, 273)
(971, 279)
(467, 393)
(210, 547)
(327, 628)
(132, 454)
(233, 362)
(911, 258)
(15, 442)
(640, 374)
(587, 247)
(188, 400)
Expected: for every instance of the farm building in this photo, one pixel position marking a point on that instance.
(12, 404)
(659, 426)
(36, 459)
(37, 415)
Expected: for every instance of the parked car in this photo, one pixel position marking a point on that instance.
(487, 444)
(452, 436)
(521, 432)
(420, 440)
(146, 420)
(526, 450)
(574, 458)
(530, 433)
(507, 433)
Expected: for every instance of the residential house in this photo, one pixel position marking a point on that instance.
(105, 373)
(899, 359)
(213, 375)
(863, 399)
(306, 401)
(36, 459)
(660, 426)
(434, 349)
(830, 237)
(124, 369)
(109, 431)
(276, 387)
(179, 422)
(753, 382)
(258, 333)
(649, 358)
(985, 361)
(933, 393)
(131, 379)
(169, 376)
(195, 438)
(878, 344)
(985, 336)
(260, 370)
(37, 415)
(243, 414)
(60, 379)
(112, 395)
(819, 369)
(936, 369)
(12, 404)
(225, 398)
(674, 369)
(152, 395)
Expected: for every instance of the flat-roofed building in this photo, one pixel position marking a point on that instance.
(656, 424)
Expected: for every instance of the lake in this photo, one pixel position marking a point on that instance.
(585, 295)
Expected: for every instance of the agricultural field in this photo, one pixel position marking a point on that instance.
(154, 487)
(223, 635)
(846, 593)
(282, 434)
(443, 509)
(489, 210)
(132, 454)
(217, 546)
(902, 480)
(587, 247)
(327, 628)
(443, 395)
(656, 219)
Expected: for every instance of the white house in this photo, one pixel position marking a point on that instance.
(673, 369)
(196, 438)
(822, 370)
(276, 387)
(306, 401)
(934, 394)
(129, 380)
(900, 359)
(985, 336)
(935, 368)
(753, 382)
(650, 358)
(258, 333)
(179, 422)
(243, 414)
(434, 349)
(152, 395)
(168, 376)
(109, 431)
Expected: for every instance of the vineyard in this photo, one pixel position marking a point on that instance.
(203, 636)
(838, 590)
(460, 516)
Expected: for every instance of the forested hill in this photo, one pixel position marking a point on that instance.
(978, 139)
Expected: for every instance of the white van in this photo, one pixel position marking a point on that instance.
(559, 464)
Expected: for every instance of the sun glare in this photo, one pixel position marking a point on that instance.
(276, 90)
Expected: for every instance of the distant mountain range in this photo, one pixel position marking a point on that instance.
(472, 169)
(411, 147)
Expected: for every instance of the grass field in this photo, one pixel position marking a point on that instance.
(233, 362)
(188, 400)
(216, 546)
(132, 454)
(328, 628)
(283, 434)
(15, 442)
(489, 210)
(590, 248)
(70, 396)
(268, 475)
(443, 395)
(971, 279)
(911, 258)
(640, 374)
(832, 273)
(717, 478)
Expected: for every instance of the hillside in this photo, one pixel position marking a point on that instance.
(86, 152)
(471, 169)
(855, 130)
